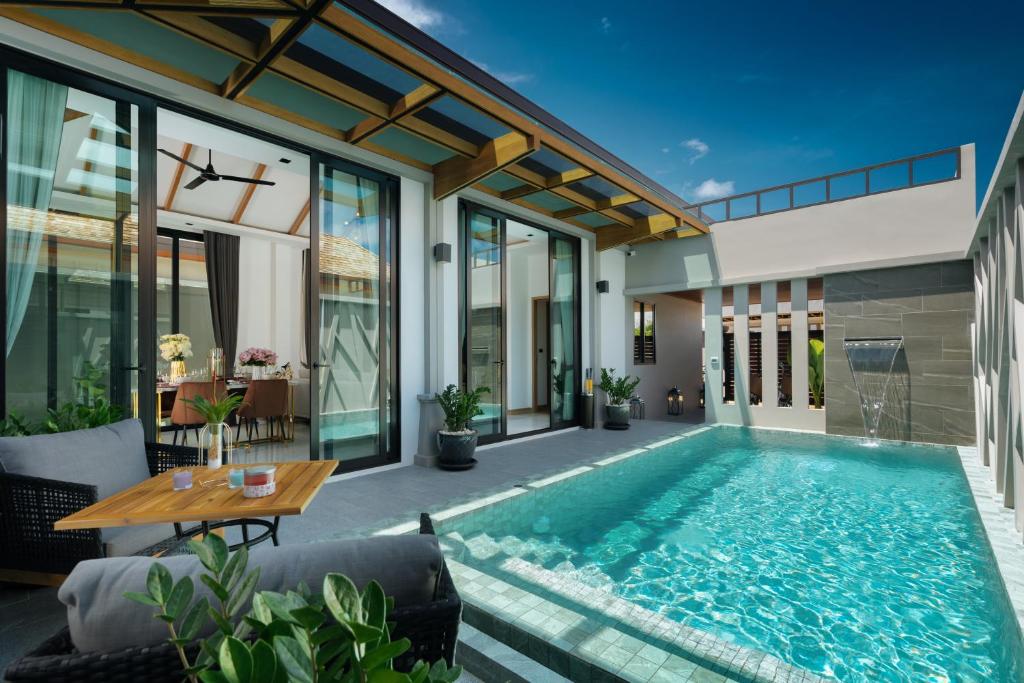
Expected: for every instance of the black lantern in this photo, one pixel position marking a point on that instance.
(675, 401)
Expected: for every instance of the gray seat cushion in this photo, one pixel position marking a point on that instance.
(121, 541)
(112, 457)
(102, 620)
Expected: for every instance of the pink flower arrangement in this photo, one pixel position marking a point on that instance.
(257, 356)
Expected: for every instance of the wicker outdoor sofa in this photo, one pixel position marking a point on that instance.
(44, 478)
(406, 566)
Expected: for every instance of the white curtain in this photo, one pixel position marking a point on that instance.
(35, 122)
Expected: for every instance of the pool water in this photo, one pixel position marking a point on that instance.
(352, 424)
(857, 563)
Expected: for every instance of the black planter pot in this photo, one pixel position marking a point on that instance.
(456, 450)
(616, 417)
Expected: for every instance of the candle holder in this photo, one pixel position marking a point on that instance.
(182, 481)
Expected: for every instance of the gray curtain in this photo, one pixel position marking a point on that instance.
(222, 279)
(35, 123)
(304, 350)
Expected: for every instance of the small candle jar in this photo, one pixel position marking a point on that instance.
(182, 480)
(259, 481)
(236, 478)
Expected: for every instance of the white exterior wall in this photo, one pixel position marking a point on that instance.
(413, 253)
(918, 225)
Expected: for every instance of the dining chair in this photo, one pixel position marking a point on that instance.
(264, 399)
(183, 415)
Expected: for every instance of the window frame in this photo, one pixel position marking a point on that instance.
(640, 351)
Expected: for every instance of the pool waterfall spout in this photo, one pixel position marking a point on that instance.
(871, 361)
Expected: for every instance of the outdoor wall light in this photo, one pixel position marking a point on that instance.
(603, 287)
(675, 401)
(443, 252)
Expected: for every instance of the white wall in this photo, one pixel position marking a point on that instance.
(526, 277)
(678, 341)
(918, 225)
(413, 255)
(270, 297)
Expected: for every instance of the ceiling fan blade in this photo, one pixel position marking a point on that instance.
(184, 161)
(195, 183)
(238, 179)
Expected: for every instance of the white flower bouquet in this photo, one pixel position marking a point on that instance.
(175, 347)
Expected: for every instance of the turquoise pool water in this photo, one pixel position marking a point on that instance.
(352, 424)
(857, 563)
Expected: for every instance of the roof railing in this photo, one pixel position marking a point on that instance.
(901, 174)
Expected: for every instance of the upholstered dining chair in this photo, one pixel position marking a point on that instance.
(264, 399)
(183, 415)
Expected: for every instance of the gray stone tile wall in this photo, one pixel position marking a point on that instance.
(931, 396)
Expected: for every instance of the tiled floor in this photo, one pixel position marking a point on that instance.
(351, 507)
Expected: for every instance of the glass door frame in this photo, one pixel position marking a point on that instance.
(145, 286)
(389, 375)
(466, 208)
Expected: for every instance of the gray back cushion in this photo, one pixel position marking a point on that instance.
(101, 619)
(112, 457)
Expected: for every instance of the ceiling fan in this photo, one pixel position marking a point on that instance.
(210, 174)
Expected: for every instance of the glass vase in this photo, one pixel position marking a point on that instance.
(216, 443)
(177, 370)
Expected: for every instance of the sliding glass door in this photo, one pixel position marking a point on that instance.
(520, 323)
(564, 330)
(483, 318)
(72, 232)
(355, 364)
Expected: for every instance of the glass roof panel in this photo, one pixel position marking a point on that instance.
(555, 162)
(629, 211)
(501, 182)
(340, 50)
(594, 220)
(601, 186)
(469, 117)
(642, 208)
(281, 92)
(410, 145)
(546, 200)
(148, 39)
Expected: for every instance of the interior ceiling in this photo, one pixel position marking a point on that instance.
(280, 208)
(327, 66)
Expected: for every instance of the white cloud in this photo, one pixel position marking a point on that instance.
(506, 77)
(415, 12)
(664, 150)
(698, 147)
(606, 24)
(712, 189)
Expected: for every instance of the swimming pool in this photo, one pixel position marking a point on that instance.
(855, 563)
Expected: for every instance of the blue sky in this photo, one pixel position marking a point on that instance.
(720, 97)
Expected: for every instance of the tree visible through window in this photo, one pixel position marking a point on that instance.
(643, 333)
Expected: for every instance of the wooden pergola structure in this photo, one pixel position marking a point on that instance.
(333, 68)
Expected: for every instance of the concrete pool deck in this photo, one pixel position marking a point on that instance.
(358, 505)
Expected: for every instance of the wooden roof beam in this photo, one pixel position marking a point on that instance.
(280, 36)
(452, 175)
(247, 194)
(558, 180)
(408, 105)
(186, 153)
(648, 226)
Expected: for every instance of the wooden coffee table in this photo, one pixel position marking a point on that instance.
(209, 502)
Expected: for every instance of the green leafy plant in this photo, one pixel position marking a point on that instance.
(460, 406)
(617, 389)
(816, 369)
(217, 410)
(338, 635)
(15, 425)
(91, 408)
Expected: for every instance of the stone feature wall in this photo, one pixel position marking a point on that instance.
(931, 396)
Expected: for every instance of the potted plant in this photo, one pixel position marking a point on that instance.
(215, 438)
(258, 360)
(334, 634)
(175, 348)
(618, 391)
(816, 370)
(457, 442)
